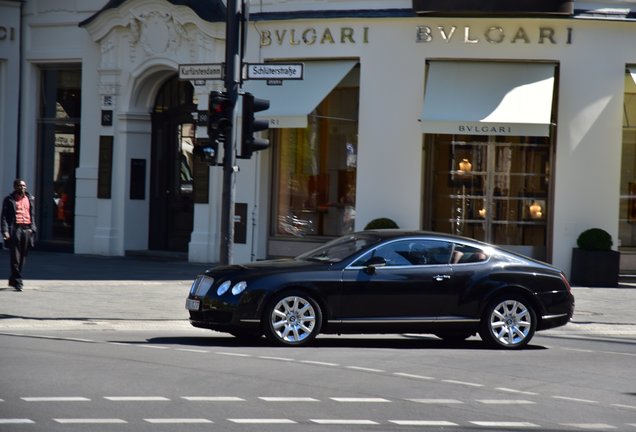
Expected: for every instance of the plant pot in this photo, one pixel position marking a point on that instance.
(595, 268)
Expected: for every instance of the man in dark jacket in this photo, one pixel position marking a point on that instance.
(17, 223)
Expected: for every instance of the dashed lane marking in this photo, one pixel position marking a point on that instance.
(408, 375)
(177, 420)
(365, 369)
(590, 426)
(436, 401)
(509, 390)
(431, 423)
(89, 421)
(288, 399)
(261, 421)
(343, 422)
(213, 398)
(359, 400)
(505, 402)
(16, 421)
(505, 424)
(137, 398)
(56, 399)
(571, 399)
(464, 383)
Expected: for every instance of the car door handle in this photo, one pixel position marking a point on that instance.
(440, 278)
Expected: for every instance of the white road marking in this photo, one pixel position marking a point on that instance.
(590, 426)
(359, 400)
(213, 399)
(288, 399)
(319, 363)
(154, 347)
(505, 402)
(136, 398)
(286, 359)
(463, 383)
(436, 401)
(624, 406)
(192, 350)
(406, 375)
(365, 369)
(232, 354)
(343, 422)
(574, 399)
(505, 424)
(56, 399)
(177, 420)
(517, 391)
(16, 421)
(431, 423)
(261, 421)
(89, 421)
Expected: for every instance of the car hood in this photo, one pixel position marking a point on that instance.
(266, 267)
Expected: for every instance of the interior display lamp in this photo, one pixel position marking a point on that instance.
(465, 167)
(536, 211)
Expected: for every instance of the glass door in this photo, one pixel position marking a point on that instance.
(493, 189)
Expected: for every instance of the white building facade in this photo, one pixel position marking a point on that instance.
(514, 127)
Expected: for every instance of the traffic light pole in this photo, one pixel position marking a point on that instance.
(232, 80)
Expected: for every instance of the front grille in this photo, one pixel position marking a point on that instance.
(212, 316)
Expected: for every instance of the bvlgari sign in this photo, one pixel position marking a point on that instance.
(490, 7)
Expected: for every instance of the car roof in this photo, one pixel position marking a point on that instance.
(399, 233)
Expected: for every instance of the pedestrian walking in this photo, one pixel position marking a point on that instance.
(18, 228)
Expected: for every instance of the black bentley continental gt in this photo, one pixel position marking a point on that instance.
(386, 281)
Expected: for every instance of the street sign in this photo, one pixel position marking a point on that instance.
(274, 71)
(201, 71)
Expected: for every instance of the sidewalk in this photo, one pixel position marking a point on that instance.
(64, 290)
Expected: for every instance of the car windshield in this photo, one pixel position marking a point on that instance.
(340, 248)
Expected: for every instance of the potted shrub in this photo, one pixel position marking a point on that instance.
(381, 223)
(594, 263)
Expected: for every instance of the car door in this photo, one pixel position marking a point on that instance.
(408, 289)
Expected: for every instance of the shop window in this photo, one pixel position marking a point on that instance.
(491, 188)
(627, 210)
(315, 184)
(58, 156)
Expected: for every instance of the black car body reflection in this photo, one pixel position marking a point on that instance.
(386, 281)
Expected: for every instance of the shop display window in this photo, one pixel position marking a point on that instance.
(315, 182)
(627, 209)
(494, 189)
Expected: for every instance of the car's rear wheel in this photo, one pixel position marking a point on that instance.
(292, 319)
(509, 322)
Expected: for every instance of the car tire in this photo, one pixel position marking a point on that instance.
(509, 322)
(292, 319)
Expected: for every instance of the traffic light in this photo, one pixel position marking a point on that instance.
(220, 117)
(207, 150)
(250, 144)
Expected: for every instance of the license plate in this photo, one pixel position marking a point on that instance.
(193, 305)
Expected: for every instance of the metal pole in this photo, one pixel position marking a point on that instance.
(232, 62)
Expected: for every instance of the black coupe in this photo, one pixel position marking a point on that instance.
(386, 281)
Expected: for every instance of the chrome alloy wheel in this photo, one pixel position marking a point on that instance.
(511, 323)
(293, 319)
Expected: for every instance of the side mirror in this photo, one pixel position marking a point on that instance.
(373, 263)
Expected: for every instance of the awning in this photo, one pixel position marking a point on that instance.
(291, 102)
(479, 98)
(632, 72)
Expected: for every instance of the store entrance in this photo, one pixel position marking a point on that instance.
(171, 179)
(491, 188)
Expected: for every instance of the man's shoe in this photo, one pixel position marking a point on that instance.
(12, 283)
(18, 286)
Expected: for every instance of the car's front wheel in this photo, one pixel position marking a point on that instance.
(292, 319)
(508, 322)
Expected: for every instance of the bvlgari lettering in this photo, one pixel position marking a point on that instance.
(483, 129)
(492, 34)
(7, 33)
(312, 36)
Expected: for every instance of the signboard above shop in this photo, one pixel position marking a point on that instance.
(494, 7)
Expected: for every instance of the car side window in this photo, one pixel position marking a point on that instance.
(413, 252)
(463, 254)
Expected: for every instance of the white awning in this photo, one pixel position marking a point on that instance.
(632, 72)
(479, 98)
(291, 102)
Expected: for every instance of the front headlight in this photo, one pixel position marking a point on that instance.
(239, 288)
(222, 289)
